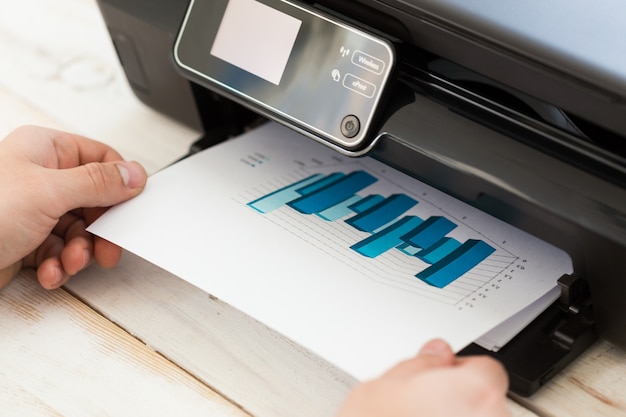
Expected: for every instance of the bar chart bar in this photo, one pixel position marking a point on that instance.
(333, 193)
(340, 210)
(408, 249)
(382, 213)
(430, 232)
(457, 263)
(323, 182)
(280, 197)
(386, 239)
(366, 202)
(439, 250)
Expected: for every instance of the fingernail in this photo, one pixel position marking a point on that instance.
(133, 174)
(435, 347)
(86, 259)
(58, 277)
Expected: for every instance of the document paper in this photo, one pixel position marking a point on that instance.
(349, 258)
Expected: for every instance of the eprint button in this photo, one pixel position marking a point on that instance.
(368, 62)
(350, 126)
(359, 85)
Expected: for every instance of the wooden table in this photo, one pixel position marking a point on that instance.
(136, 340)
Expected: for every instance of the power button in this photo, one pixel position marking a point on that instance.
(350, 126)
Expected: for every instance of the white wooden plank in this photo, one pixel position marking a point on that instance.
(518, 410)
(61, 358)
(594, 385)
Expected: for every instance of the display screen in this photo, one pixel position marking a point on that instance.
(256, 38)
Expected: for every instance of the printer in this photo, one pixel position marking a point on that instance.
(516, 108)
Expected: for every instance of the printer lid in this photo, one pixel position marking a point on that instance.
(577, 37)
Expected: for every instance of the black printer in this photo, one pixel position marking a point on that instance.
(516, 108)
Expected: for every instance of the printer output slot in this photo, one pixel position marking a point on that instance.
(603, 138)
(517, 117)
(509, 98)
(529, 106)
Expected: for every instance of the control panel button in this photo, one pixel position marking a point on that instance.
(368, 62)
(350, 126)
(359, 85)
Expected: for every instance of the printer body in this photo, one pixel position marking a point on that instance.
(516, 109)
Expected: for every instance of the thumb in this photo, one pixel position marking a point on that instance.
(434, 354)
(436, 347)
(99, 184)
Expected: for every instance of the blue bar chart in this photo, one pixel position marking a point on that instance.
(386, 239)
(381, 213)
(332, 190)
(336, 197)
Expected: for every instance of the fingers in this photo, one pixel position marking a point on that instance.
(434, 383)
(491, 371)
(437, 354)
(51, 275)
(69, 250)
(434, 354)
(47, 259)
(52, 173)
(436, 347)
(106, 253)
(60, 260)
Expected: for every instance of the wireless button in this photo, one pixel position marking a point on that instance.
(350, 126)
(368, 62)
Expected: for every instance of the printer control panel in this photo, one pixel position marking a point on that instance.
(290, 62)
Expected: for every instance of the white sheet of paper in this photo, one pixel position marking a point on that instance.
(298, 274)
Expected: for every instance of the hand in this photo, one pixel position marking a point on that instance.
(434, 383)
(52, 185)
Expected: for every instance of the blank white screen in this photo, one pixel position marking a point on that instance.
(256, 38)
